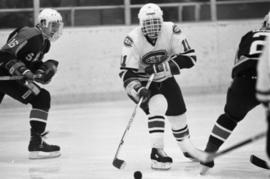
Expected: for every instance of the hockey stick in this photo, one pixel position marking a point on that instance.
(259, 162)
(7, 78)
(236, 146)
(118, 163)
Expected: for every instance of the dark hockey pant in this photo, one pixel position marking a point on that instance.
(240, 98)
(172, 92)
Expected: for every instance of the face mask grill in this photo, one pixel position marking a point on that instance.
(151, 27)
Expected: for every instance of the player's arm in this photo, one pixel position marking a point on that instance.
(129, 71)
(132, 84)
(185, 56)
(12, 56)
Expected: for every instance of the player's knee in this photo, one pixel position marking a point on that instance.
(233, 118)
(178, 122)
(42, 100)
(157, 104)
(227, 121)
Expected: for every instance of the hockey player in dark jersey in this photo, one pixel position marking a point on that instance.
(22, 55)
(241, 93)
(160, 48)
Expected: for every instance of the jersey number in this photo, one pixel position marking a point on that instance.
(256, 46)
(29, 56)
(13, 43)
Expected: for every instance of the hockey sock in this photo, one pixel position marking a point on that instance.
(180, 129)
(156, 126)
(220, 132)
(38, 120)
(181, 134)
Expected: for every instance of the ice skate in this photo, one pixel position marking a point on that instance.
(39, 149)
(160, 160)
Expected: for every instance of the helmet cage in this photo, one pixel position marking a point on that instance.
(151, 27)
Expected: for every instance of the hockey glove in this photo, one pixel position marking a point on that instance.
(169, 67)
(136, 91)
(47, 70)
(163, 70)
(15, 67)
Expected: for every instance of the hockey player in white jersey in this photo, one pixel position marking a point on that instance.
(263, 86)
(158, 47)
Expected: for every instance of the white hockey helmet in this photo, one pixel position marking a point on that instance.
(266, 22)
(151, 19)
(51, 23)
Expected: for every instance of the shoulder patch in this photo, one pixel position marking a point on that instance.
(176, 29)
(128, 42)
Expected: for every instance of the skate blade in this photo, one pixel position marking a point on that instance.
(160, 166)
(204, 170)
(44, 155)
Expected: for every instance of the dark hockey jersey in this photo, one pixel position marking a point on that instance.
(25, 44)
(248, 53)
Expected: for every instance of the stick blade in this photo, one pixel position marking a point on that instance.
(118, 163)
(259, 162)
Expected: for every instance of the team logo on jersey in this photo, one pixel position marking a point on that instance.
(176, 29)
(155, 57)
(128, 41)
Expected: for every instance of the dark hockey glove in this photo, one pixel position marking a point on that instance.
(47, 70)
(136, 91)
(18, 68)
(165, 68)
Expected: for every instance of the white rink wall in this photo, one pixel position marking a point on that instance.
(90, 58)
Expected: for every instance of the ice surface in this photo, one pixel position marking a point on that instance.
(90, 133)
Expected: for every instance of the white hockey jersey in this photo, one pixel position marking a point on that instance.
(138, 52)
(263, 72)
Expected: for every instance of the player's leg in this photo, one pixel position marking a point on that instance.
(38, 148)
(176, 114)
(40, 102)
(156, 126)
(155, 109)
(240, 100)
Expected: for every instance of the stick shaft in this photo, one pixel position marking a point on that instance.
(240, 144)
(7, 78)
(132, 117)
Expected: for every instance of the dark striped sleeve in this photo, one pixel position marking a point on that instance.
(128, 75)
(185, 60)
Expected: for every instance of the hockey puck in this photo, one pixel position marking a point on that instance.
(138, 175)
